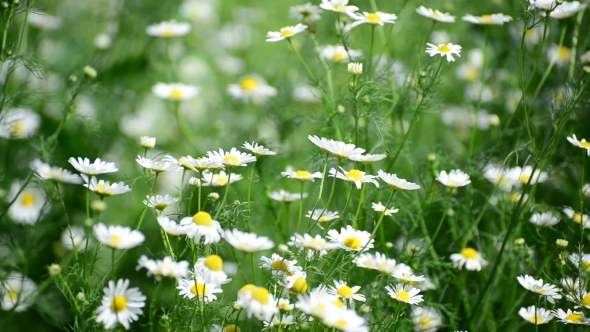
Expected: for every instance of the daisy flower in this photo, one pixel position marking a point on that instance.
(231, 158)
(171, 227)
(19, 123)
(396, 183)
(444, 50)
(257, 149)
(247, 242)
(337, 148)
(252, 88)
(571, 317)
(219, 180)
(118, 237)
(345, 320)
(296, 284)
(202, 225)
(147, 142)
(339, 54)
(258, 302)
(168, 29)
(581, 144)
(339, 6)
(166, 268)
(159, 202)
(319, 303)
(120, 304)
(524, 175)
(280, 266)
(282, 320)
(535, 315)
(175, 91)
(377, 18)
(576, 216)
(454, 179)
(211, 269)
(405, 274)
(307, 94)
(377, 262)
(567, 9)
(158, 166)
(543, 4)
(48, 172)
(426, 319)
(470, 258)
(285, 196)
(315, 243)
(350, 239)
(28, 206)
(346, 293)
(368, 158)
(305, 12)
(74, 239)
(284, 305)
(44, 21)
(493, 19)
(302, 176)
(537, 286)
(354, 175)
(105, 188)
(498, 176)
(191, 288)
(404, 293)
(378, 207)
(560, 54)
(356, 68)
(17, 292)
(322, 216)
(84, 166)
(543, 219)
(435, 15)
(583, 261)
(284, 33)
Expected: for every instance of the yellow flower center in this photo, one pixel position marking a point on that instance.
(585, 144)
(486, 17)
(324, 219)
(576, 318)
(437, 14)
(341, 324)
(354, 174)
(167, 33)
(285, 306)
(425, 323)
(316, 243)
(232, 328)
(514, 197)
(352, 242)
(28, 199)
(577, 217)
(119, 304)
(374, 18)
(345, 291)
(12, 294)
(247, 288)
(17, 129)
(339, 56)
(160, 206)
(198, 289)
(280, 265)
(222, 181)
(339, 304)
(469, 253)
(530, 33)
(287, 33)
(214, 263)
(261, 295)
(586, 300)
(231, 160)
(586, 265)
(563, 53)
(203, 218)
(302, 174)
(444, 49)
(536, 320)
(249, 84)
(115, 239)
(176, 94)
(100, 187)
(472, 74)
(524, 178)
(403, 296)
(300, 286)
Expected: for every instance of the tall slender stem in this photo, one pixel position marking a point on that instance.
(250, 194)
(224, 194)
(300, 207)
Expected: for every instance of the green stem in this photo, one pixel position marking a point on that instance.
(329, 197)
(358, 208)
(253, 268)
(300, 207)
(152, 303)
(483, 79)
(250, 195)
(182, 126)
(224, 194)
(321, 190)
(370, 60)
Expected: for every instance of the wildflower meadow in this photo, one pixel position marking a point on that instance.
(333, 165)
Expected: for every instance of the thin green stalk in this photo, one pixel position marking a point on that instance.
(358, 208)
(478, 105)
(181, 192)
(321, 189)
(113, 267)
(370, 60)
(224, 194)
(575, 45)
(442, 219)
(250, 195)
(300, 207)
(253, 268)
(329, 197)
(190, 201)
(382, 215)
(63, 204)
(582, 171)
(152, 303)
(186, 132)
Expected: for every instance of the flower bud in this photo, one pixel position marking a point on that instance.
(148, 142)
(355, 68)
(91, 72)
(195, 182)
(80, 297)
(98, 205)
(561, 243)
(54, 270)
(213, 196)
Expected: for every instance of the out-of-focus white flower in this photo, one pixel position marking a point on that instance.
(339, 54)
(168, 29)
(339, 6)
(102, 41)
(44, 21)
(567, 9)
(17, 292)
(118, 237)
(166, 268)
(454, 179)
(19, 123)
(74, 239)
(306, 12)
(28, 206)
(435, 15)
(48, 172)
(285, 33)
(252, 88)
(493, 19)
(175, 91)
